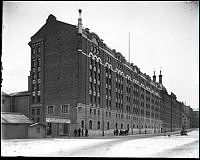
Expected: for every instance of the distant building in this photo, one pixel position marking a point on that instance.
(14, 125)
(5, 102)
(195, 119)
(16, 102)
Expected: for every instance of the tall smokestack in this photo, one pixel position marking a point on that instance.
(154, 77)
(160, 78)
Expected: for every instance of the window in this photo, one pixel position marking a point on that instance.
(121, 125)
(108, 125)
(98, 112)
(38, 62)
(38, 87)
(65, 108)
(98, 125)
(38, 98)
(127, 126)
(91, 99)
(39, 74)
(94, 111)
(34, 50)
(33, 111)
(33, 98)
(90, 111)
(38, 111)
(50, 109)
(34, 64)
(82, 124)
(98, 100)
(90, 124)
(38, 119)
(39, 50)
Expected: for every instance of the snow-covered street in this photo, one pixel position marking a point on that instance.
(126, 146)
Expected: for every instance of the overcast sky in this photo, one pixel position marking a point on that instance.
(164, 35)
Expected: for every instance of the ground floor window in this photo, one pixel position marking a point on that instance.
(90, 124)
(98, 125)
(108, 125)
(82, 123)
(127, 126)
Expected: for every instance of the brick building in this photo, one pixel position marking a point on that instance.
(77, 81)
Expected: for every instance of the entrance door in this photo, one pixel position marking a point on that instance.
(49, 128)
(66, 129)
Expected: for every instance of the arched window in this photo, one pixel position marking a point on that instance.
(121, 125)
(90, 124)
(108, 125)
(82, 123)
(116, 125)
(127, 126)
(98, 125)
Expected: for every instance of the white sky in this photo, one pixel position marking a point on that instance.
(163, 35)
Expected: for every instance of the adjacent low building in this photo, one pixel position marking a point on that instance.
(37, 130)
(14, 125)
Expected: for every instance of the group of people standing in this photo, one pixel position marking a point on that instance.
(80, 132)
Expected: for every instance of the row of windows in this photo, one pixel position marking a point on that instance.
(64, 109)
(110, 72)
(94, 49)
(99, 125)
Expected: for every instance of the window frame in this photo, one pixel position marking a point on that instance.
(68, 108)
(48, 109)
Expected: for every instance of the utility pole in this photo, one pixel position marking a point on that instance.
(103, 122)
(171, 113)
(129, 47)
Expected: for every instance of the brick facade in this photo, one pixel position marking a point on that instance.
(101, 90)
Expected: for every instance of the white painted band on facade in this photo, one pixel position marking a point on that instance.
(58, 120)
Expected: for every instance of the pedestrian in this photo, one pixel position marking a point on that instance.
(75, 132)
(79, 132)
(82, 132)
(86, 132)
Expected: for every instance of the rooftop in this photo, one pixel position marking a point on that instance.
(13, 117)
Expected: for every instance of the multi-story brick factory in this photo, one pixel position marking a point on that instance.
(77, 81)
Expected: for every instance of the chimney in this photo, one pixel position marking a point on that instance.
(160, 78)
(154, 77)
(80, 22)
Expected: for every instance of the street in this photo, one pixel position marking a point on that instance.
(123, 146)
